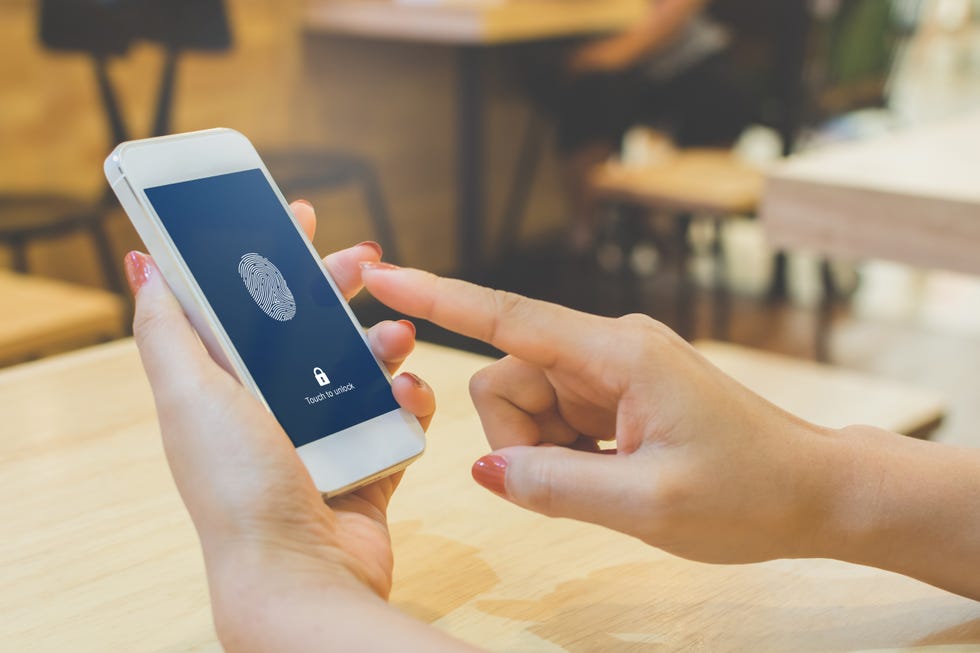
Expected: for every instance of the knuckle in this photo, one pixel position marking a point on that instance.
(146, 324)
(635, 319)
(664, 504)
(538, 491)
(508, 307)
(507, 302)
(179, 398)
(374, 338)
(649, 336)
(642, 323)
(481, 384)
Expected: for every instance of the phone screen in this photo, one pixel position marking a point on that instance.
(270, 295)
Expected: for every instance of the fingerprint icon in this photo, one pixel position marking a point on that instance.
(267, 287)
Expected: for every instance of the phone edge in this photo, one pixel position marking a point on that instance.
(200, 313)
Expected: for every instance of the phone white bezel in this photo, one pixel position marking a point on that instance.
(338, 462)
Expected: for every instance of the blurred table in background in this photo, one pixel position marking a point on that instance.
(828, 395)
(911, 197)
(471, 22)
(472, 27)
(98, 554)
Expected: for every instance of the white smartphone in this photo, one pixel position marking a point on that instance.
(262, 302)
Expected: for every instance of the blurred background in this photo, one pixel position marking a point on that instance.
(610, 155)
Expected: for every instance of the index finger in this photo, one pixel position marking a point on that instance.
(306, 216)
(344, 266)
(535, 331)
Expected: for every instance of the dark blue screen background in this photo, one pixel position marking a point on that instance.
(213, 222)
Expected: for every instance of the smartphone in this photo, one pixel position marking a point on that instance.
(262, 302)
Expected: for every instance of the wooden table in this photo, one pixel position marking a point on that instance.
(471, 27)
(97, 553)
(472, 22)
(827, 395)
(912, 197)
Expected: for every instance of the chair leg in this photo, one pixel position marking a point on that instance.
(374, 199)
(165, 97)
(18, 254)
(107, 258)
(110, 102)
(778, 291)
(825, 314)
(684, 299)
(522, 183)
(722, 309)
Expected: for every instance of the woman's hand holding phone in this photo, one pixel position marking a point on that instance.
(273, 550)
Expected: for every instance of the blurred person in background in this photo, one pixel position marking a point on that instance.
(668, 71)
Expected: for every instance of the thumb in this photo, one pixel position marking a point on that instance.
(173, 356)
(560, 482)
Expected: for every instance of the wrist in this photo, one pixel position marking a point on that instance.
(834, 478)
(816, 465)
(832, 525)
(256, 590)
(262, 604)
(854, 499)
(906, 505)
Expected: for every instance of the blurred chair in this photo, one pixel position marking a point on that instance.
(525, 171)
(693, 181)
(43, 316)
(103, 29)
(26, 218)
(301, 171)
(777, 33)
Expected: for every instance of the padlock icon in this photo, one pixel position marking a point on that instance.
(320, 376)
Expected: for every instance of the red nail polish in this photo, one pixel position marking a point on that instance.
(491, 472)
(373, 245)
(408, 324)
(378, 265)
(416, 381)
(138, 270)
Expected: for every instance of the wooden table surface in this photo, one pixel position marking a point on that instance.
(471, 22)
(912, 197)
(97, 553)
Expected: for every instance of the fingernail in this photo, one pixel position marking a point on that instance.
(491, 472)
(138, 270)
(373, 245)
(408, 324)
(378, 265)
(416, 381)
(304, 202)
